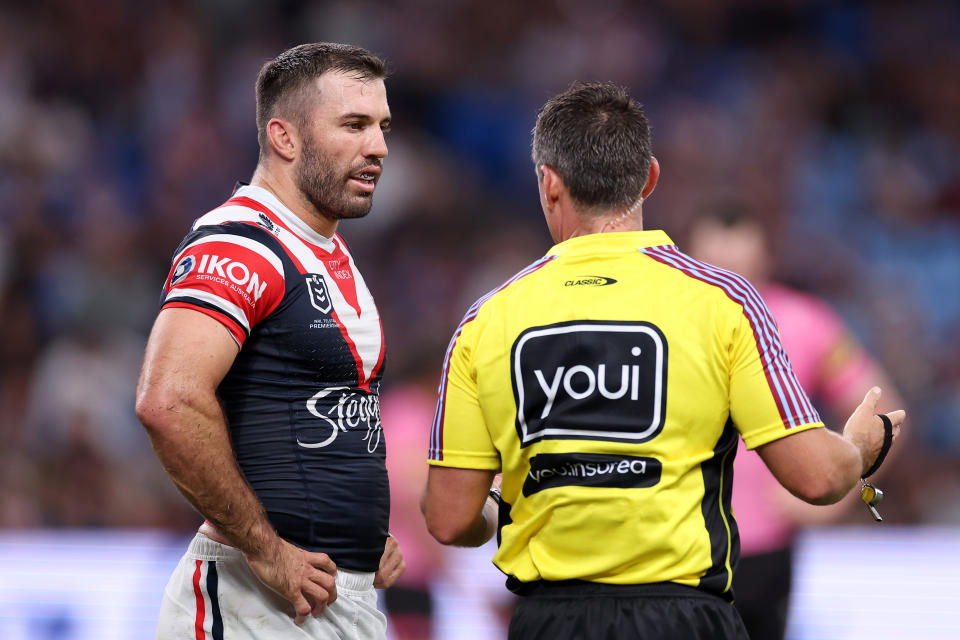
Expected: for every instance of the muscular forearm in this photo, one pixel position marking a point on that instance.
(457, 506)
(191, 440)
(481, 529)
(844, 463)
(820, 466)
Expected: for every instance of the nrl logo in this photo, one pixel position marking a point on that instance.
(319, 296)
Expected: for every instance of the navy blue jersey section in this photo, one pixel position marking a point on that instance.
(304, 418)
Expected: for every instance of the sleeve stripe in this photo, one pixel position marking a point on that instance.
(787, 402)
(225, 306)
(436, 432)
(807, 413)
(257, 247)
(793, 404)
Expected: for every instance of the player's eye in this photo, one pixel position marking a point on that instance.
(355, 126)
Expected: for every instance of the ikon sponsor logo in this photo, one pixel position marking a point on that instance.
(590, 380)
(233, 270)
(591, 281)
(549, 470)
(351, 411)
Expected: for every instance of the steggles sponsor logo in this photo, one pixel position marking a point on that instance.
(234, 274)
(352, 411)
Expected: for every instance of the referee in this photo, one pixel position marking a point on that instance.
(609, 382)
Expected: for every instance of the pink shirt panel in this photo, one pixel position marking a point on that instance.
(810, 331)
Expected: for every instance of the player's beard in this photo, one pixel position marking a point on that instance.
(326, 189)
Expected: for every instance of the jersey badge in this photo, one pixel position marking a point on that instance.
(184, 267)
(319, 295)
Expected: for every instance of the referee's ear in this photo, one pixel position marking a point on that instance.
(652, 177)
(552, 188)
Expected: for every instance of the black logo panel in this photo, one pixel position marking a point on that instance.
(550, 470)
(590, 380)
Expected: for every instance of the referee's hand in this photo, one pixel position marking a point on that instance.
(303, 578)
(865, 430)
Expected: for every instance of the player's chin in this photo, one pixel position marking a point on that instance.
(357, 206)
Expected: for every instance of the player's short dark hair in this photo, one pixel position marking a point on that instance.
(282, 80)
(597, 138)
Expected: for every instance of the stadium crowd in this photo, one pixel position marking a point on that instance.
(122, 120)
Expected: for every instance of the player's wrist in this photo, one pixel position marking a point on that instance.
(260, 542)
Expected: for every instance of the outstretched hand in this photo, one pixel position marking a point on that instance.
(392, 565)
(303, 578)
(866, 430)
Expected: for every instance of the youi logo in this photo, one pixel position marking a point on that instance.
(183, 269)
(590, 380)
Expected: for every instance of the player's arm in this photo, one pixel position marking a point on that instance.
(457, 506)
(820, 466)
(188, 355)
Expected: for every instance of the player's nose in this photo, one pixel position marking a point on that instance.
(375, 144)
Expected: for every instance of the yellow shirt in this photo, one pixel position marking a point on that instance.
(608, 381)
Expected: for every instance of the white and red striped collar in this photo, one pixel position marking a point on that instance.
(291, 220)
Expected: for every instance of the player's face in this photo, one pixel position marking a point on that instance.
(343, 145)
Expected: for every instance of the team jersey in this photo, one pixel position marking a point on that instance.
(609, 381)
(302, 397)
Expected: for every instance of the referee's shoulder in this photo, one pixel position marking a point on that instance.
(704, 278)
(515, 285)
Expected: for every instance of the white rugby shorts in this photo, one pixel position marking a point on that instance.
(213, 595)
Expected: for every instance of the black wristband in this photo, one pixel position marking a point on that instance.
(885, 449)
(495, 494)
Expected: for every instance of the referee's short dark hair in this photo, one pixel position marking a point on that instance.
(281, 81)
(597, 138)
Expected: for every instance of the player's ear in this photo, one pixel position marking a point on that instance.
(652, 177)
(283, 138)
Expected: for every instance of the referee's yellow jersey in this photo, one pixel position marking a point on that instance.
(608, 381)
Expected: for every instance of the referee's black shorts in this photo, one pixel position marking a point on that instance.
(576, 610)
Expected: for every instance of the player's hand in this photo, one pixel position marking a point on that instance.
(865, 429)
(304, 579)
(392, 565)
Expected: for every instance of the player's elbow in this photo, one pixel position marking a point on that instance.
(155, 406)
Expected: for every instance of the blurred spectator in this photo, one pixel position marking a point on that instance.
(832, 368)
